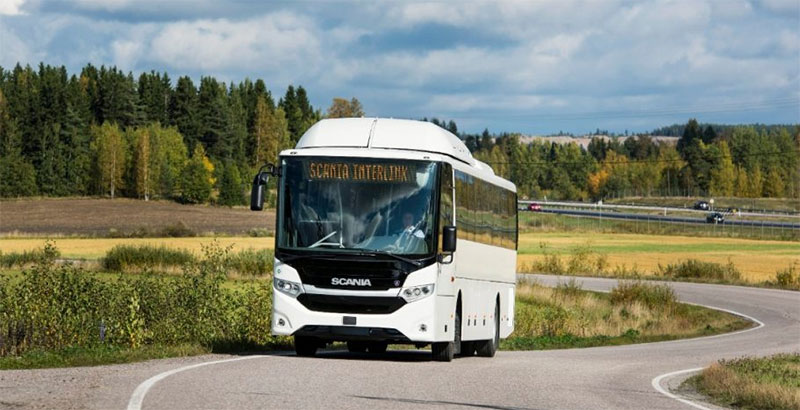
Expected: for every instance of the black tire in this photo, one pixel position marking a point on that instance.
(357, 347)
(377, 347)
(487, 348)
(457, 329)
(442, 351)
(445, 351)
(305, 346)
(467, 349)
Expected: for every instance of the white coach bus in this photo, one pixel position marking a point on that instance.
(368, 214)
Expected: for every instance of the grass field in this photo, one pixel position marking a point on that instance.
(96, 248)
(758, 260)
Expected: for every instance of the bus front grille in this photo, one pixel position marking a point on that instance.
(351, 304)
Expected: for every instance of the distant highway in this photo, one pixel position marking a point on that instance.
(670, 219)
(619, 377)
(664, 209)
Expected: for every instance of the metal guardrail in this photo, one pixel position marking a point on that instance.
(661, 209)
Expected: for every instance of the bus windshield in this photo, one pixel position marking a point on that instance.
(335, 204)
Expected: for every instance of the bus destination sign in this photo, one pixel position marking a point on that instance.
(392, 173)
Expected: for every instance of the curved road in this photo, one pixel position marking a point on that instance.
(605, 377)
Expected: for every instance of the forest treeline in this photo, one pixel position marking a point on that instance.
(741, 161)
(105, 132)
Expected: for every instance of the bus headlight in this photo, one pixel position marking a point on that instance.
(417, 292)
(288, 287)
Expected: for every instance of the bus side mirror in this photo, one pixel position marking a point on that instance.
(260, 185)
(449, 239)
(257, 192)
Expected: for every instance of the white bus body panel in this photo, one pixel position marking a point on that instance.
(479, 273)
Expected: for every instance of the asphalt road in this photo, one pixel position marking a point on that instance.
(606, 377)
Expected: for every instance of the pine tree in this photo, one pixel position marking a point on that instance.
(691, 133)
(17, 175)
(230, 186)
(183, 111)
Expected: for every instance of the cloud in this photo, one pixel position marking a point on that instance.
(495, 60)
(269, 42)
(11, 7)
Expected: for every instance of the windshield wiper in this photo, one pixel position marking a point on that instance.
(374, 252)
(322, 241)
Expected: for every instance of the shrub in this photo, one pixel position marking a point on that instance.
(654, 296)
(251, 262)
(571, 288)
(53, 307)
(695, 269)
(788, 278)
(122, 257)
(10, 260)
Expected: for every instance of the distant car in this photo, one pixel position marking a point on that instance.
(535, 207)
(715, 218)
(702, 205)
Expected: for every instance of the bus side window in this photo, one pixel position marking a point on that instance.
(445, 200)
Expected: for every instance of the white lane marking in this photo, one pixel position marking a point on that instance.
(657, 385)
(137, 397)
(656, 382)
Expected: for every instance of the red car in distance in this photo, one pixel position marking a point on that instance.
(535, 207)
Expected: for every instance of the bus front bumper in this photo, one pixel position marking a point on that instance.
(413, 322)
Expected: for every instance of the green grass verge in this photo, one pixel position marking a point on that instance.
(96, 355)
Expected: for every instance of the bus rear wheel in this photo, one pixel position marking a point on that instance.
(487, 348)
(305, 346)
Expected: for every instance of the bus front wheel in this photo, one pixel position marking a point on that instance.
(443, 351)
(305, 346)
(487, 348)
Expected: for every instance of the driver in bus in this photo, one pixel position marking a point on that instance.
(411, 237)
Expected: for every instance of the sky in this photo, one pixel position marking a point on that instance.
(535, 67)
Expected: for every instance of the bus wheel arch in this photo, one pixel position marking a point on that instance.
(488, 348)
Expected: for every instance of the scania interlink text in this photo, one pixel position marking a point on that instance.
(369, 213)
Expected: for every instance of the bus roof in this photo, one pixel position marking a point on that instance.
(392, 134)
(382, 133)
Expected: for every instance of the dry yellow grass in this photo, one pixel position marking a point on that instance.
(543, 309)
(757, 260)
(730, 387)
(96, 248)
